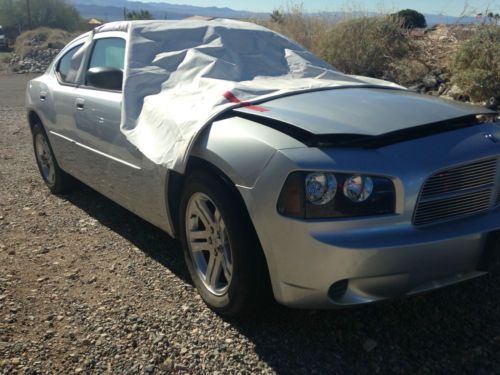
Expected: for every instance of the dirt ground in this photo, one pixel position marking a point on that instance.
(87, 287)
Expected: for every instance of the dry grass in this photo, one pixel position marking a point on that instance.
(371, 46)
(366, 46)
(300, 27)
(42, 37)
(380, 47)
(476, 65)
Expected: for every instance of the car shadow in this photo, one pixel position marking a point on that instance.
(151, 240)
(455, 329)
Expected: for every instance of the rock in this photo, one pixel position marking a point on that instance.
(71, 275)
(430, 82)
(168, 364)
(493, 103)
(441, 90)
(417, 87)
(456, 93)
(36, 60)
(159, 339)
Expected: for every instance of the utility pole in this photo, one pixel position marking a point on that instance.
(124, 13)
(28, 8)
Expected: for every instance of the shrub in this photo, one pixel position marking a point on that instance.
(139, 15)
(42, 38)
(476, 66)
(411, 19)
(366, 46)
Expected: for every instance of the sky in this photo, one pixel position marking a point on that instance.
(447, 7)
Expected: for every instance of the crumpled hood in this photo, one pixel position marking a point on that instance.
(361, 111)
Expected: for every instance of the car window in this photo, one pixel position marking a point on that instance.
(67, 64)
(1, 31)
(108, 53)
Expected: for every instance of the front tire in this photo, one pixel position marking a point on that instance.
(221, 249)
(54, 177)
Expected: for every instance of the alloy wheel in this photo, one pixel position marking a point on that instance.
(208, 243)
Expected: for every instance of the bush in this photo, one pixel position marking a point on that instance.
(411, 19)
(139, 15)
(366, 46)
(476, 66)
(41, 38)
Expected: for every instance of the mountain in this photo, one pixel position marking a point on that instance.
(435, 19)
(113, 10)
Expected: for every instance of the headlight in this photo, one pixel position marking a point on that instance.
(316, 195)
(320, 188)
(358, 188)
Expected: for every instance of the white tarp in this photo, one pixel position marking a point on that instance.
(178, 75)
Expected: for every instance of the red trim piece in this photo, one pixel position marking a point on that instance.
(233, 99)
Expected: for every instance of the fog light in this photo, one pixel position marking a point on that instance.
(358, 188)
(320, 188)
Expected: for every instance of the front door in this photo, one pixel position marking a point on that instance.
(113, 166)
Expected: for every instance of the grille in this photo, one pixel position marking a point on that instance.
(457, 192)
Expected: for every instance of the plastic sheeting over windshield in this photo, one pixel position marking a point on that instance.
(179, 75)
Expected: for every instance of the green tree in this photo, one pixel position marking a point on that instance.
(493, 18)
(21, 15)
(277, 16)
(139, 15)
(411, 19)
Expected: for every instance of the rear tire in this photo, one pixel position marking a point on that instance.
(213, 225)
(54, 177)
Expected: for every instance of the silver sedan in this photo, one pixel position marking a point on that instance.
(327, 199)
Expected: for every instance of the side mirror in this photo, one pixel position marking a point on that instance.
(105, 78)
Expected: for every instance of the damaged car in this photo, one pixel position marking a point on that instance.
(281, 176)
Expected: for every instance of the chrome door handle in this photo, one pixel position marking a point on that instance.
(43, 96)
(80, 104)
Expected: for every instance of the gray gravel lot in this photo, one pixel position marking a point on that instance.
(87, 287)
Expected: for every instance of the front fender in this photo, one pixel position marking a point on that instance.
(241, 148)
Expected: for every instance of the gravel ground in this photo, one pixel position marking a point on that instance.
(87, 287)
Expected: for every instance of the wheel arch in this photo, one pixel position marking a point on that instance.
(175, 184)
(235, 150)
(33, 119)
(174, 190)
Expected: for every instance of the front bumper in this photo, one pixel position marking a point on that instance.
(321, 268)
(334, 263)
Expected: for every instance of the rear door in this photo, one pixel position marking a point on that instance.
(54, 101)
